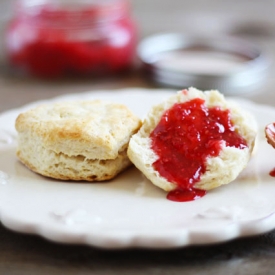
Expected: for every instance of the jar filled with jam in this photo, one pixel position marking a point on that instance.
(53, 38)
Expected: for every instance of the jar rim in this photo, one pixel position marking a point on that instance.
(88, 10)
(68, 3)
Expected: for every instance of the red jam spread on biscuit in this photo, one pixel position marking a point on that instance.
(187, 134)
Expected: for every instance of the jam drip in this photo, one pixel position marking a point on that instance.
(181, 195)
(187, 134)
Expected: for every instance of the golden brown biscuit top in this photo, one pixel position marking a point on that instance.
(94, 129)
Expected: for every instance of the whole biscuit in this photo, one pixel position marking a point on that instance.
(85, 140)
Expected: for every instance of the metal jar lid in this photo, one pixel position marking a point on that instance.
(230, 65)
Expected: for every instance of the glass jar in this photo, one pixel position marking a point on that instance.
(53, 38)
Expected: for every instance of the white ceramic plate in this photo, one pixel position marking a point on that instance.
(129, 211)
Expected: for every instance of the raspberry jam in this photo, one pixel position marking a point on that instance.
(187, 134)
(54, 38)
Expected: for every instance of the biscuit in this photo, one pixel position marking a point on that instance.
(220, 169)
(85, 140)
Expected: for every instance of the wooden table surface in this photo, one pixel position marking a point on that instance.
(27, 254)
